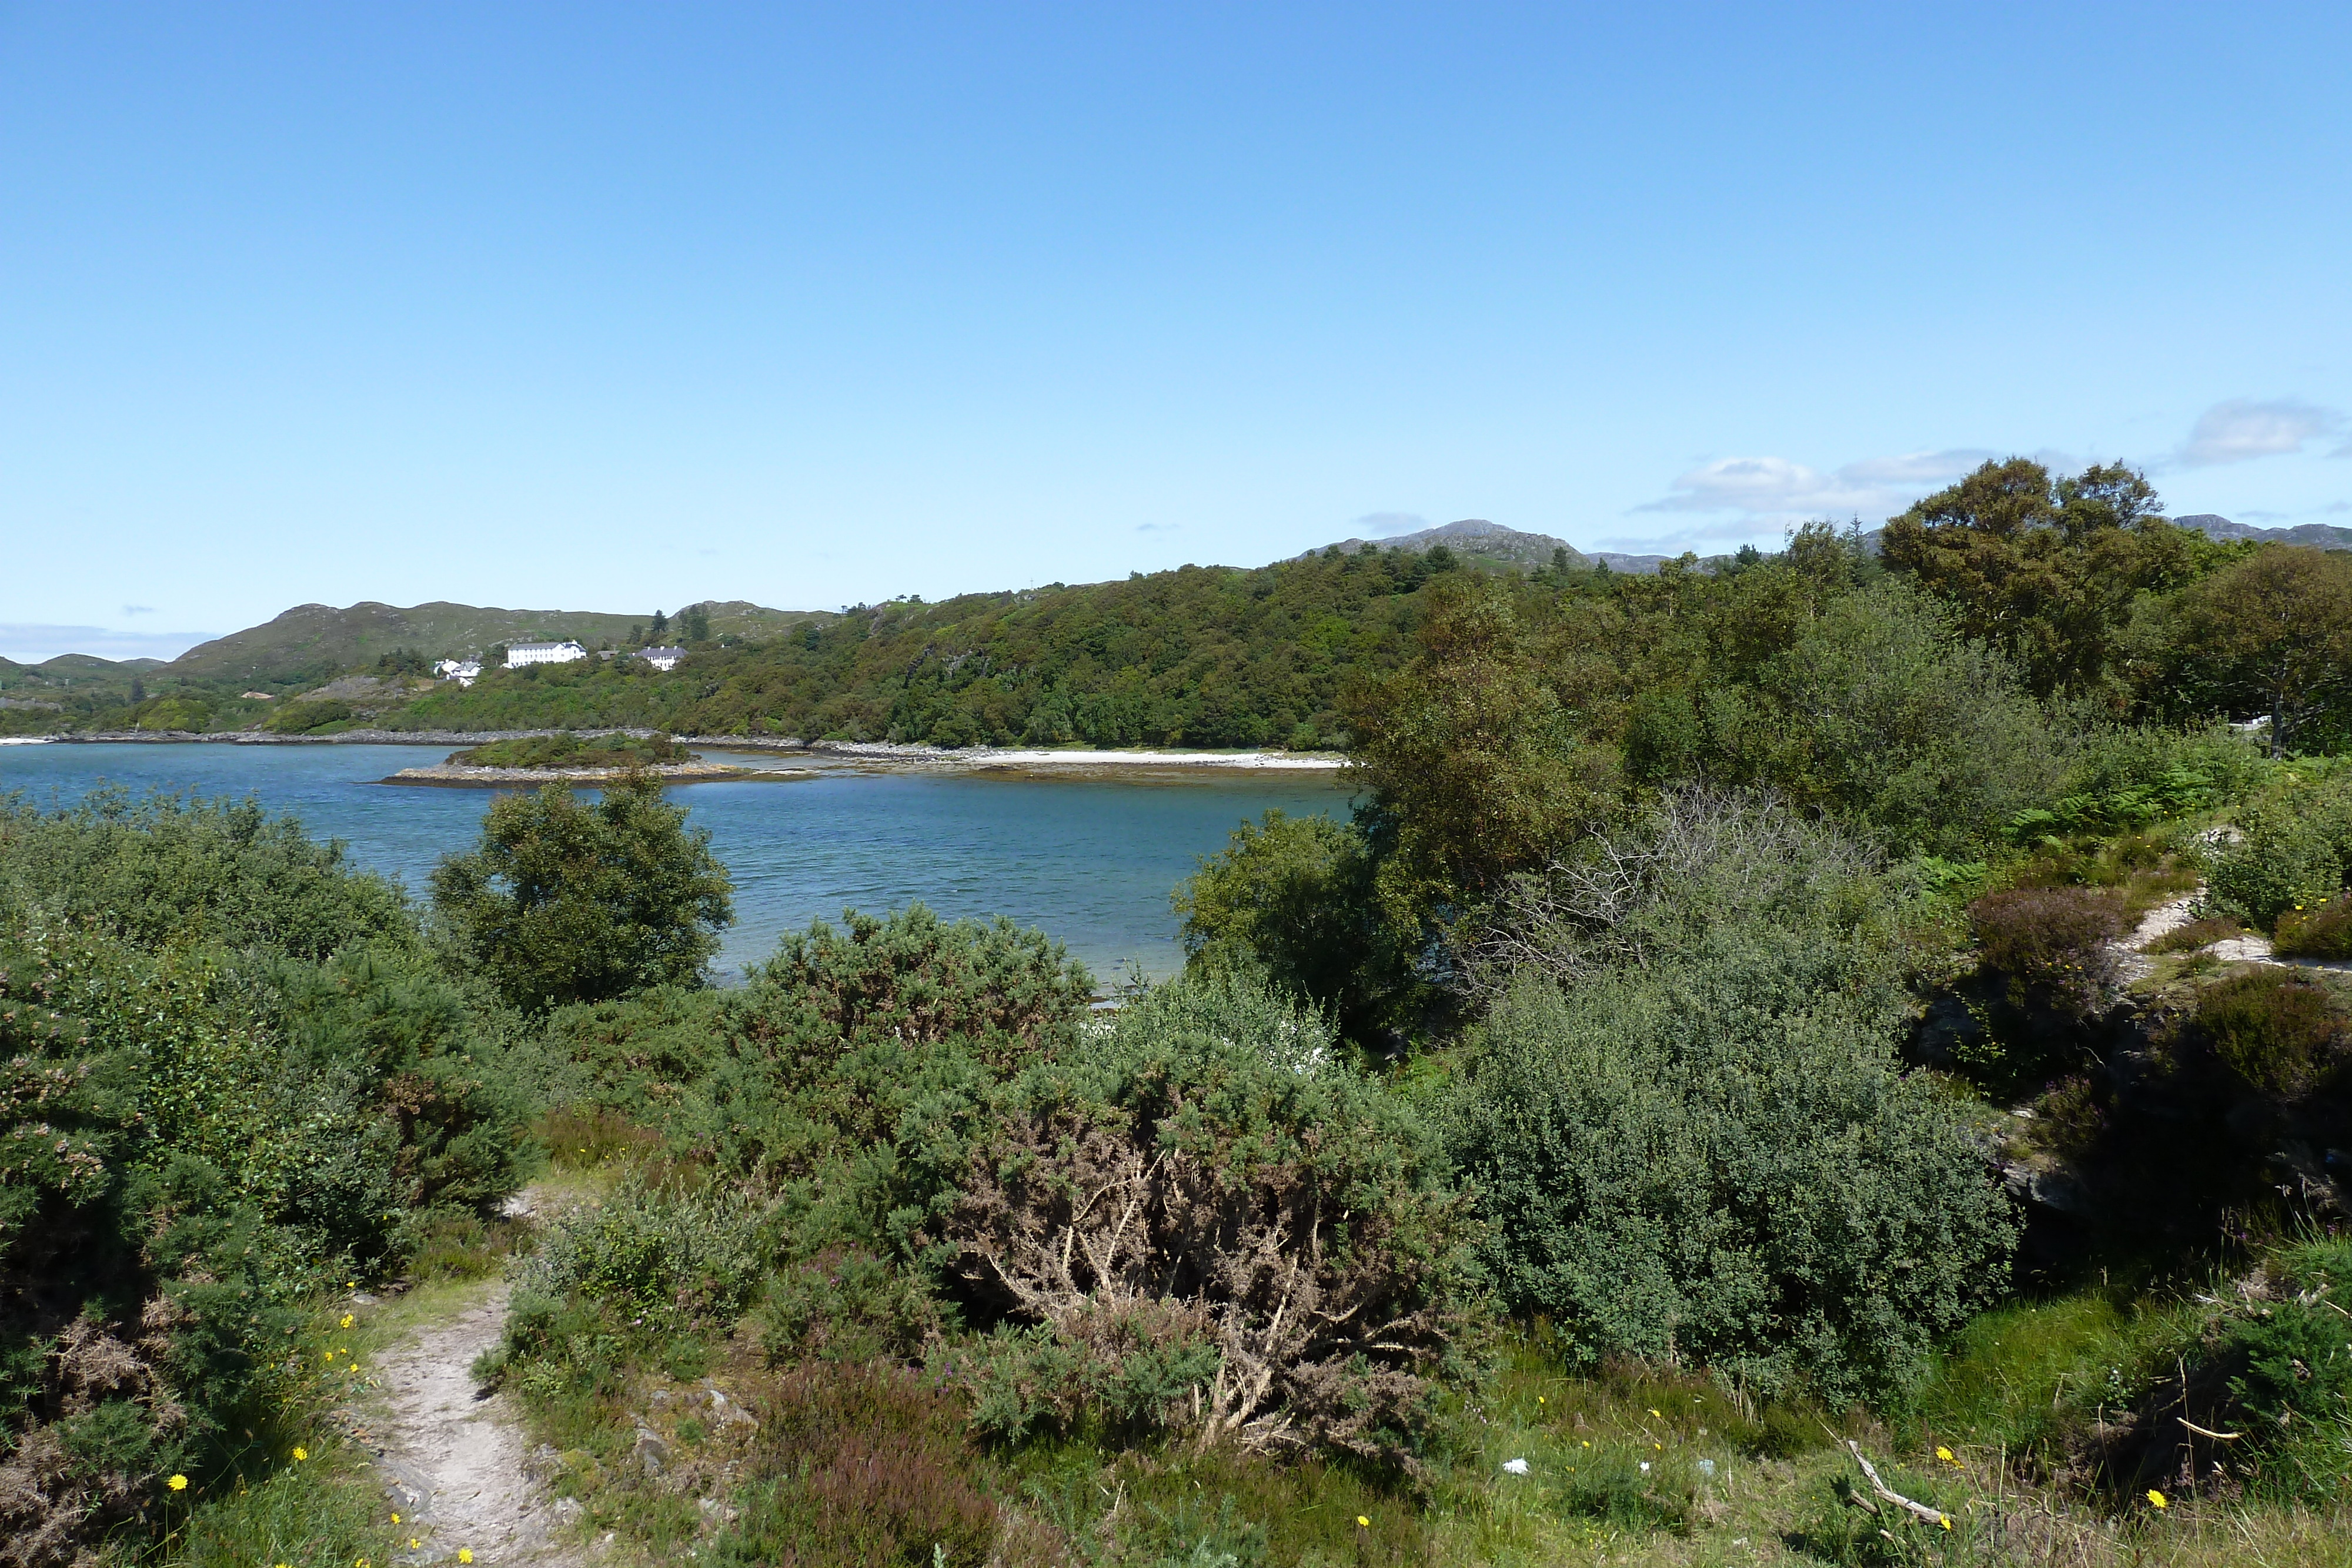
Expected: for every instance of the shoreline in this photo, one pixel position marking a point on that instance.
(448, 776)
(886, 753)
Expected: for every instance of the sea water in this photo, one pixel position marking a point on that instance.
(1090, 859)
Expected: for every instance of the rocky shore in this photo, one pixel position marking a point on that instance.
(457, 775)
(876, 752)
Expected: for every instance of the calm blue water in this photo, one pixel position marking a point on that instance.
(1089, 861)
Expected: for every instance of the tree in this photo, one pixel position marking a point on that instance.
(2281, 623)
(694, 623)
(1473, 765)
(661, 624)
(2045, 570)
(570, 901)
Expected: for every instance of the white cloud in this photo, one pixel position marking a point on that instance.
(2242, 429)
(1764, 487)
(1387, 524)
(30, 644)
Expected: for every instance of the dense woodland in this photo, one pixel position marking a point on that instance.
(1728, 1029)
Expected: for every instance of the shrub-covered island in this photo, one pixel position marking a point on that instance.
(1842, 1058)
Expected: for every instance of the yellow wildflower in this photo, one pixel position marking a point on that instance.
(465, 1555)
(1363, 1524)
(1944, 1519)
(2155, 1498)
(301, 1454)
(178, 1483)
(347, 1320)
(1945, 1455)
(1654, 1413)
(396, 1519)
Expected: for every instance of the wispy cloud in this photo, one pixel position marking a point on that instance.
(1759, 488)
(2242, 429)
(139, 610)
(1387, 524)
(31, 643)
(1156, 527)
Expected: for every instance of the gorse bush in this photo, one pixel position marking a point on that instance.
(171, 869)
(204, 1124)
(1718, 1162)
(1217, 1226)
(566, 901)
(914, 978)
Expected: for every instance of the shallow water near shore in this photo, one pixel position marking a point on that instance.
(1089, 859)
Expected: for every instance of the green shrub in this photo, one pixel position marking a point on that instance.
(1291, 898)
(661, 1260)
(2298, 1360)
(2296, 848)
(303, 716)
(1695, 858)
(1716, 1161)
(2278, 1030)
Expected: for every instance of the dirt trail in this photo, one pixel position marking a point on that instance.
(452, 1463)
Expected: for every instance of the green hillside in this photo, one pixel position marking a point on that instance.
(315, 641)
(1200, 656)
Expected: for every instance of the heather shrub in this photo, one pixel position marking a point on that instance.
(2049, 941)
(2195, 935)
(1211, 1223)
(1716, 1160)
(2279, 1030)
(861, 1467)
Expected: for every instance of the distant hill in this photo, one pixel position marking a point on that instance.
(312, 640)
(2318, 536)
(1478, 537)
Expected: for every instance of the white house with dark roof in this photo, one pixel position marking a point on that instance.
(564, 652)
(661, 658)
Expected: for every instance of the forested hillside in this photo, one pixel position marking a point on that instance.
(1198, 656)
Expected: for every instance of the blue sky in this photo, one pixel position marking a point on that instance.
(621, 307)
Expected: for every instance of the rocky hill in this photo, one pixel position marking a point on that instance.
(1477, 537)
(2318, 536)
(313, 640)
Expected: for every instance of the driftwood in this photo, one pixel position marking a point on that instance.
(1919, 1510)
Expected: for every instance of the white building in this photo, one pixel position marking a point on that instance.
(465, 672)
(661, 658)
(521, 653)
